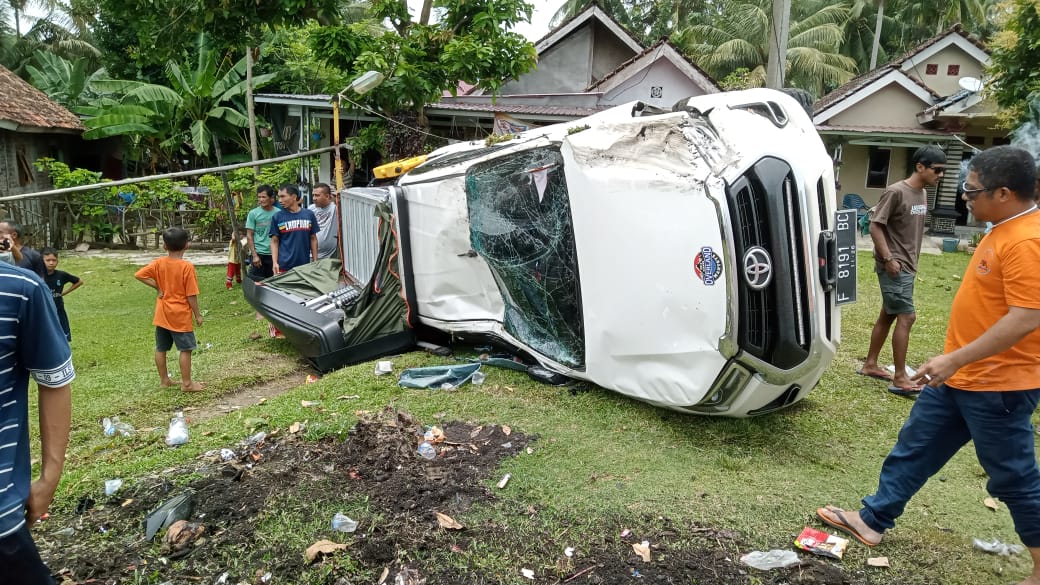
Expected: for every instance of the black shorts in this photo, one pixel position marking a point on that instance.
(165, 339)
(266, 269)
(21, 561)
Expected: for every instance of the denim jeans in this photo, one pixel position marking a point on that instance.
(20, 562)
(944, 419)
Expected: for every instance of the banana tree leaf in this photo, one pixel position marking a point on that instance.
(200, 137)
(239, 88)
(230, 116)
(118, 130)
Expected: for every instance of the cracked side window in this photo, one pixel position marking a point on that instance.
(520, 223)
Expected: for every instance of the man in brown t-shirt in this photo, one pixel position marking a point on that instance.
(896, 229)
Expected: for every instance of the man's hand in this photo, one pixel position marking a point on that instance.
(275, 268)
(160, 293)
(893, 267)
(256, 260)
(41, 494)
(936, 370)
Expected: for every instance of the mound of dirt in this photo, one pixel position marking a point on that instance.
(408, 539)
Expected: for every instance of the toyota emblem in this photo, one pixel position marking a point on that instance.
(758, 268)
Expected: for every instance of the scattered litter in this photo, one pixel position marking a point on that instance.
(478, 378)
(507, 445)
(991, 504)
(625, 533)
(506, 430)
(322, 547)
(643, 550)
(114, 427)
(222, 579)
(253, 440)
(774, 559)
(527, 573)
(437, 376)
(348, 397)
(182, 534)
(434, 349)
(434, 435)
(821, 543)
(178, 507)
(178, 432)
(112, 486)
(310, 379)
(998, 548)
(295, 428)
(384, 367)
(877, 562)
(426, 450)
(310, 403)
(447, 522)
(909, 371)
(505, 479)
(569, 551)
(343, 523)
(67, 531)
(226, 454)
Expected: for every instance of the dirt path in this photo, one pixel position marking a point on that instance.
(250, 395)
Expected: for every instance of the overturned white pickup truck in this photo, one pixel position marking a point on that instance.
(690, 258)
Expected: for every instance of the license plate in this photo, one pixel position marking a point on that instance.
(846, 225)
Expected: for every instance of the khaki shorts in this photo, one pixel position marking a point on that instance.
(897, 294)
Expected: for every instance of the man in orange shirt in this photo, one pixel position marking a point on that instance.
(178, 301)
(985, 386)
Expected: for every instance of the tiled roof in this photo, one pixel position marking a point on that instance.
(857, 83)
(882, 130)
(516, 109)
(648, 50)
(25, 105)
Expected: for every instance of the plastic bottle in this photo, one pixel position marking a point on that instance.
(343, 523)
(178, 433)
(113, 426)
(427, 451)
(478, 378)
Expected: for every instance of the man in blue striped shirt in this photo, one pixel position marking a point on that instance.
(31, 342)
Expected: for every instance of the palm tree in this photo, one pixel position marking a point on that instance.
(739, 39)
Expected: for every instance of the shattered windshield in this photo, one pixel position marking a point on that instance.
(520, 223)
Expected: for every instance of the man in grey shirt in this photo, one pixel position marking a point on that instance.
(325, 210)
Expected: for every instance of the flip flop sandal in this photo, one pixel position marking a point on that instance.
(838, 522)
(911, 392)
(875, 376)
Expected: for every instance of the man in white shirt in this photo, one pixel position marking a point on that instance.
(325, 210)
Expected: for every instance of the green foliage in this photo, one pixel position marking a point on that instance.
(69, 83)
(739, 78)
(370, 137)
(470, 42)
(1014, 54)
(278, 174)
(288, 53)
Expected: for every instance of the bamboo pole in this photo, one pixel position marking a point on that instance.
(176, 175)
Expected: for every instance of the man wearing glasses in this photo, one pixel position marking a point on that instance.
(986, 384)
(896, 228)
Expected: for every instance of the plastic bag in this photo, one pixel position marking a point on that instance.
(774, 559)
(178, 432)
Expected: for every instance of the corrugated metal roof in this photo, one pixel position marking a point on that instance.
(516, 109)
(883, 130)
(25, 105)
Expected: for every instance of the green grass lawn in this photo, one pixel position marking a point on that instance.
(598, 454)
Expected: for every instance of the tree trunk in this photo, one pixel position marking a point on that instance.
(424, 16)
(250, 111)
(17, 23)
(778, 33)
(877, 35)
(227, 188)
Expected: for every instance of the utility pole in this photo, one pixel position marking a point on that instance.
(778, 33)
(250, 110)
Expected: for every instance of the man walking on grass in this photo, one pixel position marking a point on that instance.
(897, 228)
(985, 386)
(31, 342)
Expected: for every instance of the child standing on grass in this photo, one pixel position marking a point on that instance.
(174, 278)
(236, 250)
(56, 281)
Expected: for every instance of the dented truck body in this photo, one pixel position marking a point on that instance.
(685, 258)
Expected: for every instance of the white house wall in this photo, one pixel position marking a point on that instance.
(673, 86)
(564, 68)
(942, 82)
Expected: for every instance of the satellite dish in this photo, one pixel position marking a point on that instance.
(971, 84)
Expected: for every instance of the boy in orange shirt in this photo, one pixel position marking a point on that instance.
(174, 278)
